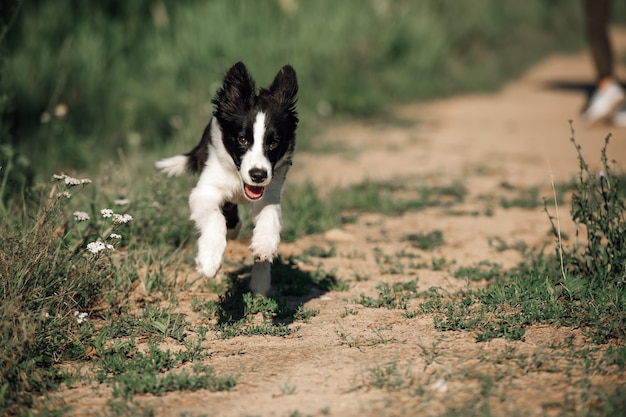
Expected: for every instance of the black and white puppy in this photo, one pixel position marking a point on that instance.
(242, 158)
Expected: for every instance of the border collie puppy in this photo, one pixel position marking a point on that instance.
(242, 158)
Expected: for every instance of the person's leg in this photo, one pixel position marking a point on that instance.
(609, 94)
(597, 21)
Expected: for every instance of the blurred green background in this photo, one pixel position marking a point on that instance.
(82, 82)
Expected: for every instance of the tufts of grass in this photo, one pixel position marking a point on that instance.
(483, 270)
(501, 245)
(305, 212)
(305, 314)
(130, 372)
(394, 296)
(525, 199)
(395, 198)
(389, 378)
(238, 311)
(426, 241)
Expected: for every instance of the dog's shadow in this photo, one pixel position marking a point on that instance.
(292, 286)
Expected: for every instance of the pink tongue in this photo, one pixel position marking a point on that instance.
(253, 192)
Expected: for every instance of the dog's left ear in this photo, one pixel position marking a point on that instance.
(285, 86)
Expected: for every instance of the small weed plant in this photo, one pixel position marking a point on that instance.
(598, 208)
(581, 286)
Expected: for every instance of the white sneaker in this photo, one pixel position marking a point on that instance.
(619, 117)
(603, 102)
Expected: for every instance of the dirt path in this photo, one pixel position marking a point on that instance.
(516, 136)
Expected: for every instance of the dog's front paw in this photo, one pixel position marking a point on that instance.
(210, 253)
(209, 262)
(264, 250)
(208, 268)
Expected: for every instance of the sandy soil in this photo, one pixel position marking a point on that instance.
(520, 136)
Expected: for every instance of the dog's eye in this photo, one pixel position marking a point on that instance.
(242, 141)
(273, 144)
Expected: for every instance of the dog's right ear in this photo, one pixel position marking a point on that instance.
(237, 93)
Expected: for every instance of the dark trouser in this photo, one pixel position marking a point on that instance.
(597, 19)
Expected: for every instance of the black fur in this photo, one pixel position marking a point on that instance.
(197, 157)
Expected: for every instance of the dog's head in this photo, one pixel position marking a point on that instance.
(258, 129)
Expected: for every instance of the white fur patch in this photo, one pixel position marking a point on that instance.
(174, 166)
(254, 158)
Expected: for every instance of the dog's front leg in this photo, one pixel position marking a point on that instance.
(206, 213)
(267, 218)
(266, 234)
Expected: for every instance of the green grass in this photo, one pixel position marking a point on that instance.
(305, 212)
(392, 296)
(136, 76)
(130, 372)
(426, 241)
(526, 199)
(483, 270)
(389, 378)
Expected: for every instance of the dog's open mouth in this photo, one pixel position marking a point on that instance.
(253, 192)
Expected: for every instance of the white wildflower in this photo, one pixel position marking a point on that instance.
(110, 247)
(122, 202)
(115, 236)
(71, 181)
(122, 218)
(106, 212)
(60, 110)
(95, 247)
(80, 216)
(66, 194)
(80, 317)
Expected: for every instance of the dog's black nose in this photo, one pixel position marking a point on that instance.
(258, 175)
